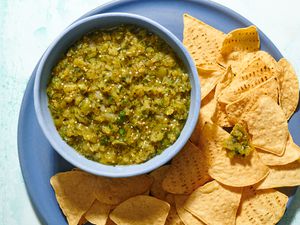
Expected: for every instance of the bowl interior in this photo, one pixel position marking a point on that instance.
(54, 54)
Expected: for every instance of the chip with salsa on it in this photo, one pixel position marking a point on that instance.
(238, 144)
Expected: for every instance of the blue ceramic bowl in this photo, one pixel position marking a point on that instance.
(53, 55)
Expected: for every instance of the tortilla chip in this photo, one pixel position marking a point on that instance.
(289, 88)
(173, 218)
(210, 109)
(225, 80)
(82, 221)
(268, 60)
(186, 217)
(188, 171)
(214, 203)
(139, 210)
(208, 106)
(239, 61)
(219, 116)
(262, 207)
(202, 41)
(267, 124)
(205, 68)
(196, 133)
(98, 213)
(236, 109)
(282, 176)
(156, 188)
(241, 39)
(113, 191)
(74, 202)
(291, 154)
(256, 73)
(207, 109)
(110, 222)
(208, 81)
(236, 172)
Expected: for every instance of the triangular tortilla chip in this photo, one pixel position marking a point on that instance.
(156, 188)
(289, 88)
(113, 191)
(208, 107)
(186, 217)
(208, 81)
(236, 109)
(236, 172)
(239, 61)
(267, 124)
(188, 171)
(241, 39)
(220, 116)
(254, 74)
(173, 217)
(214, 203)
(261, 207)
(225, 80)
(291, 154)
(202, 41)
(74, 202)
(98, 213)
(139, 210)
(282, 176)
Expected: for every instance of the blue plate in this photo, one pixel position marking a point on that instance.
(37, 158)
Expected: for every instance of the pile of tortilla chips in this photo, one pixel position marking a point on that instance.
(240, 84)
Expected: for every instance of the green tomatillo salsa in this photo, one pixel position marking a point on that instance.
(119, 96)
(238, 144)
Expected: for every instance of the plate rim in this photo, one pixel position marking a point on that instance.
(99, 9)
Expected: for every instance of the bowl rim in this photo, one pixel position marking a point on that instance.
(120, 170)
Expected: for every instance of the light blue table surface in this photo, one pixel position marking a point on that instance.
(26, 29)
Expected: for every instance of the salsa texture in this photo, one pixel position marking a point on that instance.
(119, 96)
(238, 144)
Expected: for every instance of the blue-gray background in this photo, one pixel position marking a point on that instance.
(26, 29)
